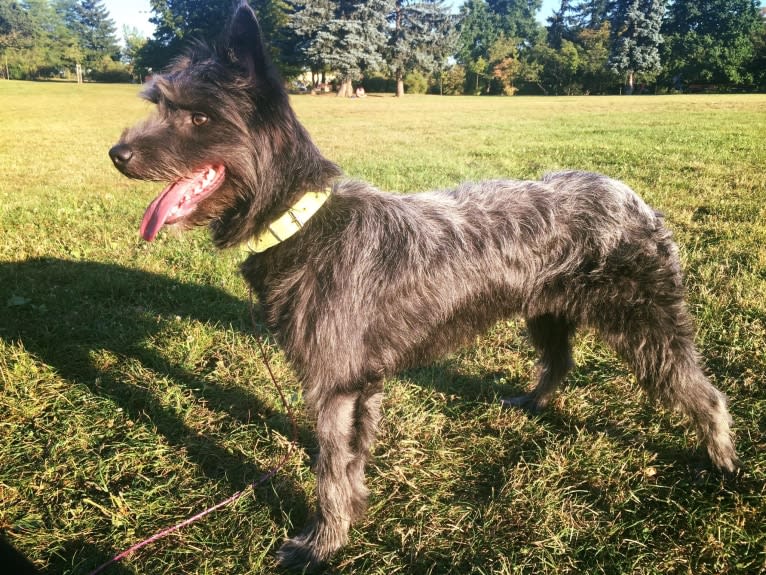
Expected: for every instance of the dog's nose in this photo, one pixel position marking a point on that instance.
(121, 154)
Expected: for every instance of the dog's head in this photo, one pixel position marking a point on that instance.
(223, 135)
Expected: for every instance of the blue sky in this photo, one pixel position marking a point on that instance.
(136, 13)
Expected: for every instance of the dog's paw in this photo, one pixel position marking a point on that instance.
(308, 552)
(529, 402)
(297, 554)
(725, 460)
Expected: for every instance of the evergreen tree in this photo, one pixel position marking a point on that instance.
(560, 25)
(422, 38)
(518, 18)
(96, 31)
(309, 22)
(591, 14)
(636, 26)
(345, 36)
(67, 34)
(361, 33)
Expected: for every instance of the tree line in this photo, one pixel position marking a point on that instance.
(486, 47)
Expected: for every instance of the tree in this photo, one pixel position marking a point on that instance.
(452, 80)
(422, 38)
(560, 25)
(478, 29)
(180, 22)
(346, 36)
(518, 18)
(498, 26)
(274, 19)
(590, 14)
(361, 34)
(504, 65)
(134, 42)
(757, 65)
(97, 31)
(558, 68)
(712, 41)
(84, 34)
(636, 26)
(593, 71)
(579, 42)
(15, 32)
(309, 23)
(38, 38)
(40, 58)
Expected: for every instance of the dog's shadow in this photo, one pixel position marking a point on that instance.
(66, 313)
(465, 390)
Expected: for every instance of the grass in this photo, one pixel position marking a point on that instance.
(132, 395)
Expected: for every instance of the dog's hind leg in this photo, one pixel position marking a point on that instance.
(656, 341)
(551, 337)
(346, 427)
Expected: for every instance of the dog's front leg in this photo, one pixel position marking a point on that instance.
(346, 427)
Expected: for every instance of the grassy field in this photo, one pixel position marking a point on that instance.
(132, 395)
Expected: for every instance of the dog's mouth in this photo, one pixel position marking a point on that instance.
(180, 199)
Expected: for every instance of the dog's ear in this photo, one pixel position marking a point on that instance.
(245, 44)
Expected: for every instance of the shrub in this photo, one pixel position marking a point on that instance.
(415, 83)
(453, 80)
(107, 70)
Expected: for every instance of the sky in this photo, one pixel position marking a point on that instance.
(136, 14)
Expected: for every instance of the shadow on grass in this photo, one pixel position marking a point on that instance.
(62, 312)
(684, 464)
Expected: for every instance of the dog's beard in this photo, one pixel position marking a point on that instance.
(180, 199)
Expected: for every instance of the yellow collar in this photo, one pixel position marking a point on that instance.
(288, 223)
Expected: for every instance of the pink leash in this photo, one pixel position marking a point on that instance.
(262, 479)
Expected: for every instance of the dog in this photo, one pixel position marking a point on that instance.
(357, 284)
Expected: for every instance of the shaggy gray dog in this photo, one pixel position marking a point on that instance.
(373, 283)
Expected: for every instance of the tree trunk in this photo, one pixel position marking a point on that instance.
(399, 84)
(346, 89)
(629, 85)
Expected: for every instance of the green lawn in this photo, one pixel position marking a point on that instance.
(132, 394)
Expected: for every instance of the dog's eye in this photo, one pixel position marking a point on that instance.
(198, 118)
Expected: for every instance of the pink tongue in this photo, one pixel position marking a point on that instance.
(158, 211)
(179, 199)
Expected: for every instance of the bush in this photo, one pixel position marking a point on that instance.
(379, 84)
(415, 83)
(107, 70)
(453, 80)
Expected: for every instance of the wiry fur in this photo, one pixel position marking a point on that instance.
(377, 282)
